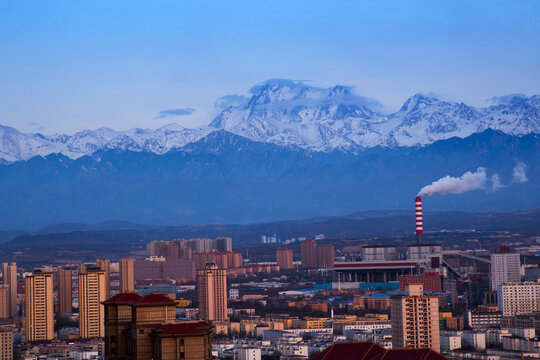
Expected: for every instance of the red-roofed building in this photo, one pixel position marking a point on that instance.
(430, 282)
(154, 300)
(411, 354)
(351, 351)
(370, 351)
(126, 298)
(137, 327)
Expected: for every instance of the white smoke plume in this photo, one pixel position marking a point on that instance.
(457, 185)
(474, 181)
(520, 173)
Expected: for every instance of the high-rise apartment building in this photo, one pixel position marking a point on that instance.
(127, 275)
(39, 321)
(10, 278)
(505, 267)
(212, 286)
(415, 320)
(91, 295)
(105, 265)
(519, 298)
(284, 258)
(4, 301)
(325, 256)
(308, 253)
(65, 290)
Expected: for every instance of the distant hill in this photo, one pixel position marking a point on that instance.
(358, 225)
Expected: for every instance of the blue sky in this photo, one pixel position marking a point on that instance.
(70, 65)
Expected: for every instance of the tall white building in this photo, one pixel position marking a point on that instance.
(519, 298)
(505, 267)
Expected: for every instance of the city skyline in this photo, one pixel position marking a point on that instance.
(279, 180)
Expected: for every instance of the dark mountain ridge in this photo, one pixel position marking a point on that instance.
(225, 178)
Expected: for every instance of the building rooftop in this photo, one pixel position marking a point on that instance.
(123, 298)
(411, 354)
(371, 351)
(154, 299)
(378, 246)
(184, 328)
(350, 351)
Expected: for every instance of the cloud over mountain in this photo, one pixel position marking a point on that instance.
(174, 112)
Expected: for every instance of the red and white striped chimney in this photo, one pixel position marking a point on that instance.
(419, 222)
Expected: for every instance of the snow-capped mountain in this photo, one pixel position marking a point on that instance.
(289, 113)
(293, 113)
(15, 145)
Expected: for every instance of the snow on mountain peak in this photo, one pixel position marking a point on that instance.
(293, 113)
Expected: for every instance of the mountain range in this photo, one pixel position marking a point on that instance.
(294, 114)
(289, 151)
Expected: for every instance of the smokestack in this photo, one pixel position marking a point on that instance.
(419, 222)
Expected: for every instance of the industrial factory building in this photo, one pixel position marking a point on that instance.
(417, 259)
(386, 263)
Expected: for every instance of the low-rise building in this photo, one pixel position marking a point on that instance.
(291, 347)
(477, 340)
(450, 342)
(483, 319)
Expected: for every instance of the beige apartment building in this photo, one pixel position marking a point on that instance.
(212, 284)
(4, 302)
(415, 320)
(39, 321)
(519, 298)
(9, 271)
(65, 290)
(284, 258)
(127, 275)
(105, 265)
(91, 295)
(6, 343)
(325, 256)
(308, 253)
